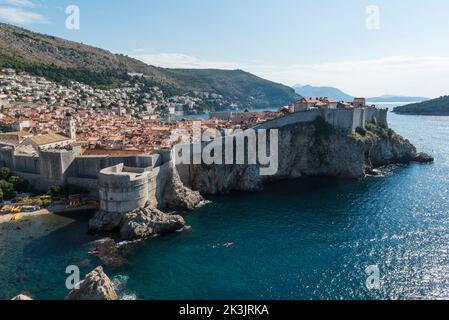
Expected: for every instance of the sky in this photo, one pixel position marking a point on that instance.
(366, 48)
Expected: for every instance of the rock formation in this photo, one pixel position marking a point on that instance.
(147, 222)
(95, 286)
(105, 222)
(313, 149)
(108, 252)
(177, 196)
(138, 224)
(21, 297)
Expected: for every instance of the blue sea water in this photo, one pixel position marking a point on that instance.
(304, 239)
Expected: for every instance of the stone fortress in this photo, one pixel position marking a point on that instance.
(345, 119)
(124, 183)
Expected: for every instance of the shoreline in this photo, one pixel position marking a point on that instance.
(6, 218)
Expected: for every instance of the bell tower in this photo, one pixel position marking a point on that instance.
(70, 127)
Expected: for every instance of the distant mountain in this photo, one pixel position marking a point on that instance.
(62, 60)
(392, 98)
(329, 92)
(435, 107)
(337, 94)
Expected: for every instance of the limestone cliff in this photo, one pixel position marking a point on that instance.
(312, 149)
(177, 196)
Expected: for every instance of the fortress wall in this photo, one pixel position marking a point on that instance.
(7, 157)
(343, 119)
(37, 182)
(120, 192)
(26, 163)
(348, 120)
(292, 118)
(50, 166)
(89, 184)
(90, 166)
(381, 116)
(359, 119)
(123, 189)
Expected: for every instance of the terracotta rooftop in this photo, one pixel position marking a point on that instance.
(102, 152)
(48, 138)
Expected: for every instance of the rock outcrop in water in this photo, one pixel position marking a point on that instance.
(21, 297)
(95, 286)
(138, 224)
(313, 149)
(147, 222)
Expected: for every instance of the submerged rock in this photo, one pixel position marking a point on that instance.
(95, 286)
(22, 297)
(108, 252)
(147, 222)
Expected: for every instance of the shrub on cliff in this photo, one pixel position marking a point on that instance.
(322, 127)
(67, 190)
(5, 173)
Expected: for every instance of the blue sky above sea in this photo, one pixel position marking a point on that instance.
(324, 42)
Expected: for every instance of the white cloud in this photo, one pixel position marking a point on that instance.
(403, 75)
(20, 16)
(19, 3)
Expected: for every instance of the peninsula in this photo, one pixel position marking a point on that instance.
(435, 107)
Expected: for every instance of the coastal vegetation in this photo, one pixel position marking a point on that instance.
(323, 128)
(435, 107)
(373, 132)
(67, 190)
(11, 185)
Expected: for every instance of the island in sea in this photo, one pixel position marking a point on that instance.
(435, 107)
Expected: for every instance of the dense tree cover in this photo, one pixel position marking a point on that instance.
(10, 185)
(104, 79)
(439, 106)
(67, 190)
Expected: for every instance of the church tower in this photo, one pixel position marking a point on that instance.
(70, 127)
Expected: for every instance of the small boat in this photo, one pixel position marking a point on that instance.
(228, 244)
(94, 252)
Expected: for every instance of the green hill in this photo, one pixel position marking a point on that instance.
(62, 60)
(435, 107)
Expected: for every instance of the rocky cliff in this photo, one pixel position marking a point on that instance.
(305, 149)
(313, 149)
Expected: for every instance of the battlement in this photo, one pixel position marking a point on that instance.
(345, 119)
